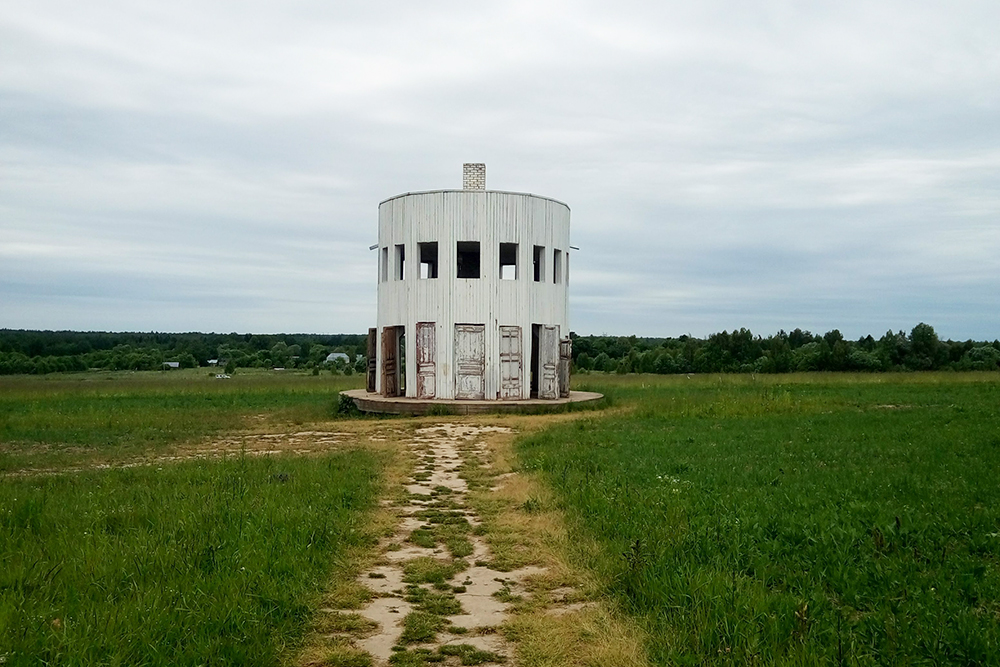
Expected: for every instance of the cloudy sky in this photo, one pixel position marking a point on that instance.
(218, 166)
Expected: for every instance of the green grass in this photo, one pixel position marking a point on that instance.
(347, 657)
(445, 525)
(820, 519)
(200, 562)
(420, 627)
(425, 657)
(470, 655)
(64, 419)
(442, 604)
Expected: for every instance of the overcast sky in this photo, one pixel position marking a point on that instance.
(178, 166)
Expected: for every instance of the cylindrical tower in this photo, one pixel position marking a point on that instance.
(472, 295)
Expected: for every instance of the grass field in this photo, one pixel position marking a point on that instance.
(819, 519)
(64, 419)
(798, 519)
(195, 562)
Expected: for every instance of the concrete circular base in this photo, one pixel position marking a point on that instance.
(399, 405)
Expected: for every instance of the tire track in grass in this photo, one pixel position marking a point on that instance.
(473, 567)
(438, 598)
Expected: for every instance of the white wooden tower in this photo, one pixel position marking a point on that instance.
(472, 295)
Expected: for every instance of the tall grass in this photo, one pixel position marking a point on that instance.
(800, 520)
(57, 420)
(195, 563)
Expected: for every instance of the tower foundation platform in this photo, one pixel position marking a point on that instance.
(400, 405)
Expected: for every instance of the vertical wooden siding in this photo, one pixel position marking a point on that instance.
(491, 218)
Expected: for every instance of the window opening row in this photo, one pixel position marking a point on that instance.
(468, 262)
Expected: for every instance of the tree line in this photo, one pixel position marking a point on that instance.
(743, 352)
(39, 352)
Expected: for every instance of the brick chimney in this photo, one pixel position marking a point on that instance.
(474, 176)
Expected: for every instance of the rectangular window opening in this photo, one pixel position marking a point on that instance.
(400, 261)
(557, 266)
(385, 264)
(508, 261)
(468, 259)
(428, 259)
(538, 263)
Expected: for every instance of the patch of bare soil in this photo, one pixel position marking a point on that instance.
(461, 600)
(300, 443)
(265, 444)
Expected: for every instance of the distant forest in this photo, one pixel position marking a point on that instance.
(743, 352)
(54, 351)
(39, 352)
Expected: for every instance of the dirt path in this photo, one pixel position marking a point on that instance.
(441, 596)
(471, 567)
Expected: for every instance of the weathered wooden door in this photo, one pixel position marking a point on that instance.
(390, 367)
(470, 361)
(426, 359)
(548, 362)
(510, 362)
(372, 359)
(565, 360)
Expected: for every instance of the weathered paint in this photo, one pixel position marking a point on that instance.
(470, 361)
(491, 218)
(426, 359)
(548, 363)
(390, 370)
(565, 360)
(511, 363)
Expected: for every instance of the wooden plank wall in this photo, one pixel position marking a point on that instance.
(491, 218)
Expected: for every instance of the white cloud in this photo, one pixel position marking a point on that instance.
(763, 164)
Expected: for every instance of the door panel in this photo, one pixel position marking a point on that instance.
(470, 361)
(548, 363)
(426, 359)
(510, 362)
(390, 369)
(372, 359)
(565, 360)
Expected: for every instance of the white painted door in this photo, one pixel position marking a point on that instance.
(470, 361)
(510, 362)
(565, 360)
(548, 362)
(426, 359)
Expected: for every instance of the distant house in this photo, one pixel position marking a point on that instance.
(333, 356)
(170, 365)
(213, 362)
